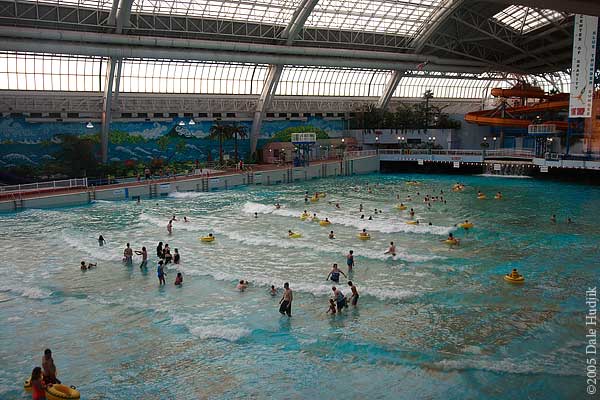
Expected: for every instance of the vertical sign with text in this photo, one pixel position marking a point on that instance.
(585, 37)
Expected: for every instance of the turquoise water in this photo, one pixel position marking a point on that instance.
(435, 322)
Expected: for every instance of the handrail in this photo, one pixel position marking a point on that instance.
(360, 153)
(31, 187)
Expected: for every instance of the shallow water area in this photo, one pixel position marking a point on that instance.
(435, 321)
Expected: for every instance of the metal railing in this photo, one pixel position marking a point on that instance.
(360, 153)
(31, 187)
(487, 153)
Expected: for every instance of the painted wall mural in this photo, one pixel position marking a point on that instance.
(24, 142)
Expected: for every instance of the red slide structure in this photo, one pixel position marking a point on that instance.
(517, 117)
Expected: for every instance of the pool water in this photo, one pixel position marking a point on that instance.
(433, 322)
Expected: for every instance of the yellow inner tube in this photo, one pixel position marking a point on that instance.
(364, 237)
(207, 238)
(510, 279)
(314, 199)
(498, 197)
(303, 217)
(466, 225)
(482, 197)
(315, 219)
(61, 392)
(412, 223)
(451, 242)
(295, 235)
(399, 207)
(321, 195)
(324, 223)
(27, 384)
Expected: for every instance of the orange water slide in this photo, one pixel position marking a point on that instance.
(552, 102)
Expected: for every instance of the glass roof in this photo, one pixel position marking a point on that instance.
(448, 87)
(390, 16)
(277, 12)
(525, 19)
(94, 4)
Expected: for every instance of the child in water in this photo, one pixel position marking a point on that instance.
(331, 235)
(273, 291)
(242, 285)
(332, 309)
(179, 279)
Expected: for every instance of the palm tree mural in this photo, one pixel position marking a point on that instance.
(239, 132)
(220, 132)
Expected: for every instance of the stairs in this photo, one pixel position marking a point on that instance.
(153, 190)
(18, 203)
(205, 185)
(91, 194)
(250, 178)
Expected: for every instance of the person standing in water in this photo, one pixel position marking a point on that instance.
(331, 235)
(286, 300)
(49, 368)
(334, 274)
(354, 297)
(179, 279)
(159, 250)
(144, 255)
(128, 255)
(38, 388)
(101, 241)
(350, 260)
(160, 272)
(553, 218)
(391, 250)
(170, 227)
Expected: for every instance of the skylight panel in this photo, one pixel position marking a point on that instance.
(525, 19)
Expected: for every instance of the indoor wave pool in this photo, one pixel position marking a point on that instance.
(435, 321)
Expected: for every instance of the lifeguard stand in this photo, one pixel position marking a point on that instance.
(303, 141)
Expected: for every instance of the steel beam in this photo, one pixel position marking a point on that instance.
(440, 17)
(123, 15)
(107, 108)
(263, 103)
(588, 7)
(298, 20)
(390, 88)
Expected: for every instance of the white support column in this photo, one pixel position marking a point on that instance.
(106, 108)
(263, 102)
(389, 89)
(298, 19)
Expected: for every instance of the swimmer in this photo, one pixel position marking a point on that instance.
(360, 207)
(350, 260)
(170, 227)
(273, 291)
(128, 254)
(430, 224)
(553, 218)
(362, 216)
(290, 233)
(337, 205)
(569, 221)
(370, 191)
(277, 206)
(101, 241)
(391, 250)
(364, 233)
(331, 235)
(168, 256)
(159, 250)
(85, 266)
(397, 197)
(479, 193)
(144, 255)
(179, 279)
(314, 217)
(242, 285)
(354, 297)
(176, 257)
(514, 274)
(173, 218)
(498, 196)
(340, 299)
(334, 274)
(327, 220)
(331, 307)
(370, 218)
(408, 198)
(185, 219)
(255, 215)
(306, 199)
(412, 213)
(160, 272)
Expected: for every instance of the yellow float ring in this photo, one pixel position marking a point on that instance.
(295, 236)
(364, 237)
(510, 279)
(207, 239)
(62, 392)
(324, 223)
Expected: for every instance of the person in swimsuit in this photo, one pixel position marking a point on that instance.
(339, 297)
(185, 219)
(179, 279)
(168, 256)
(144, 255)
(255, 215)
(101, 241)
(176, 257)
(334, 274)
(38, 389)
(170, 227)
(160, 272)
(273, 291)
(331, 235)
(364, 232)
(354, 297)
(350, 260)
(85, 266)
(553, 218)
(128, 254)
(159, 250)
(360, 207)
(331, 309)
(243, 285)
(412, 213)
(49, 368)
(391, 250)
(285, 306)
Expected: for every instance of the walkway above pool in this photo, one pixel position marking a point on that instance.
(80, 194)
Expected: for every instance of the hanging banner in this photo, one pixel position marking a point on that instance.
(582, 71)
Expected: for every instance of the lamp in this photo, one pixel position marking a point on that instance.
(192, 122)
(343, 140)
(89, 125)
(181, 123)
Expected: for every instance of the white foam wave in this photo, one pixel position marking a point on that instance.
(35, 293)
(505, 176)
(90, 246)
(506, 366)
(230, 334)
(379, 224)
(186, 195)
